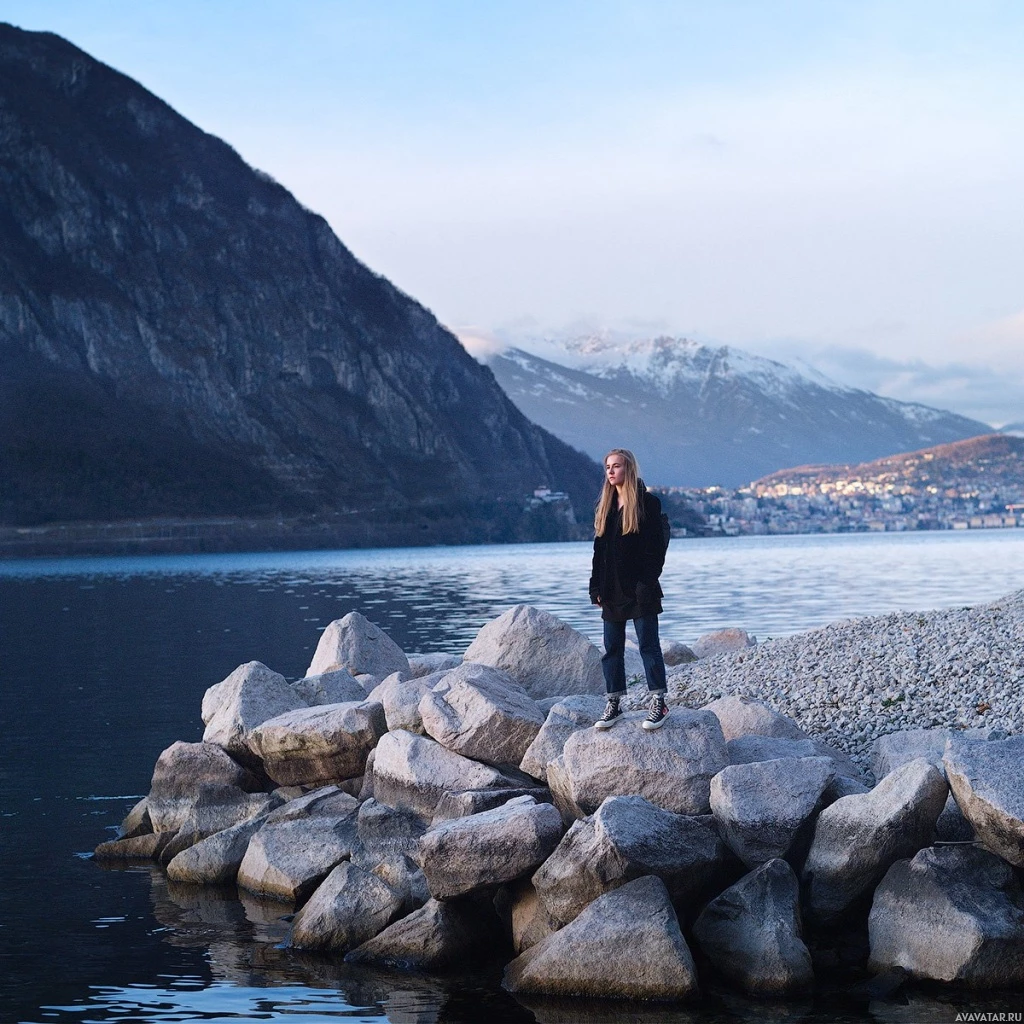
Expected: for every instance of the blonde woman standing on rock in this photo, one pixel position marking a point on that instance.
(629, 553)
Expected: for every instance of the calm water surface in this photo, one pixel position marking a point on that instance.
(104, 663)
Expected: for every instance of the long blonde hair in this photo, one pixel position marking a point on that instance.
(632, 508)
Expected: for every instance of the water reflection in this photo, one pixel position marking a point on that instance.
(437, 598)
(105, 664)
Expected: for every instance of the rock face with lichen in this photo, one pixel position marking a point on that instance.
(215, 346)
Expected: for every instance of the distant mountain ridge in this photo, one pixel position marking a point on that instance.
(700, 416)
(179, 336)
(992, 461)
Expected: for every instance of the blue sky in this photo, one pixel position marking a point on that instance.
(839, 181)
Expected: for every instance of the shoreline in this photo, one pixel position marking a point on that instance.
(855, 680)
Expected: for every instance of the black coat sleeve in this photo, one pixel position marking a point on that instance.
(652, 545)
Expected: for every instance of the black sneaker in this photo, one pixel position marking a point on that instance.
(658, 713)
(612, 713)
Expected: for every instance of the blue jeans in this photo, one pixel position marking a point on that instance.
(614, 661)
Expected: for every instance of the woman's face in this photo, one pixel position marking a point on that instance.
(615, 470)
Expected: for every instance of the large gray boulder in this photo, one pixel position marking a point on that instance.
(751, 748)
(414, 772)
(723, 641)
(488, 849)
(858, 838)
(672, 768)
(356, 644)
(401, 699)
(544, 655)
(568, 715)
(627, 838)
(216, 859)
(399, 871)
(149, 846)
(473, 801)
(429, 664)
(246, 698)
(325, 802)
(383, 829)
(988, 784)
(890, 751)
(481, 713)
(338, 686)
(952, 914)
(744, 716)
(753, 934)
(766, 807)
(627, 944)
(287, 860)
(318, 745)
(437, 937)
(349, 907)
(187, 775)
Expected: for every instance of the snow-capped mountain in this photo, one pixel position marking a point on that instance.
(698, 416)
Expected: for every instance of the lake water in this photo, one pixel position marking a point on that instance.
(104, 663)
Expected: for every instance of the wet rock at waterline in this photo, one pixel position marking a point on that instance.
(440, 936)
(191, 774)
(216, 859)
(349, 907)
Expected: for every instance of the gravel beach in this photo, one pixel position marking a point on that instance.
(855, 680)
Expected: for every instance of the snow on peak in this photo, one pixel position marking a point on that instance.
(666, 363)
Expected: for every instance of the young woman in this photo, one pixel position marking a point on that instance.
(629, 554)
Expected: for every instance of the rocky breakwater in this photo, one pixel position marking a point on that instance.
(429, 812)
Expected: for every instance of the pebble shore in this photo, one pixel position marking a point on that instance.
(855, 680)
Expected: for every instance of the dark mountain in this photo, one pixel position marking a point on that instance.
(700, 416)
(179, 336)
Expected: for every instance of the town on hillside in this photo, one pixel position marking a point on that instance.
(967, 485)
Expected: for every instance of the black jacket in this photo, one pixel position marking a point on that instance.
(626, 568)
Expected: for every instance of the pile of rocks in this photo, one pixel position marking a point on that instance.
(423, 812)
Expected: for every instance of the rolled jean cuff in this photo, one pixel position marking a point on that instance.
(663, 692)
(615, 693)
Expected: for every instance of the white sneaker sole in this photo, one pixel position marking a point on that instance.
(651, 726)
(603, 726)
